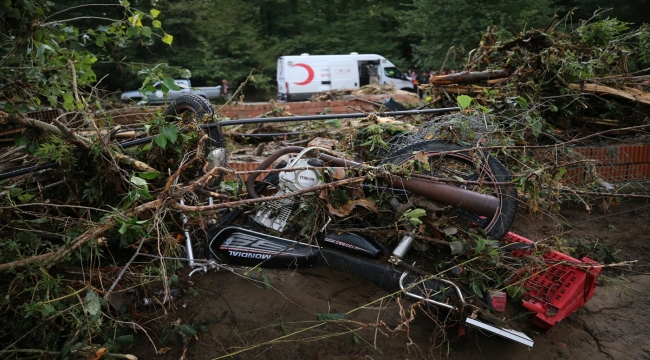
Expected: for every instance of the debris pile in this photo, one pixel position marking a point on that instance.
(595, 74)
(370, 89)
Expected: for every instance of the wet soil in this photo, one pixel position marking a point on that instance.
(240, 318)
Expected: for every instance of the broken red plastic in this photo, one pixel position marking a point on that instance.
(559, 289)
(497, 300)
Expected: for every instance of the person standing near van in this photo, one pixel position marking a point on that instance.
(225, 89)
(374, 74)
(414, 81)
(424, 79)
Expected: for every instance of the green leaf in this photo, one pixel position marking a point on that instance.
(47, 309)
(25, 197)
(91, 303)
(125, 3)
(560, 173)
(328, 317)
(477, 288)
(464, 101)
(22, 140)
(413, 216)
(138, 181)
(148, 175)
(132, 31)
(13, 13)
(124, 340)
(267, 282)
(522, 102)
(154, 13)
(156, 23)
(167, 39)
(515, 292)
(170, 131)
(415, 213)
(149, 89)
(171, 84)
(124, 228)
(161, 141)
(146, 31)
(480, 245)
(334, 122)
(187, 330)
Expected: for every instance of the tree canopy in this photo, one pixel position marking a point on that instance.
(229, 39)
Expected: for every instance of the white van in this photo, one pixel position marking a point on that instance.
(300, 76)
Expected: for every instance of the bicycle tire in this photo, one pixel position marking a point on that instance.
(498, 225)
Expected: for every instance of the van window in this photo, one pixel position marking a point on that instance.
(392, 72)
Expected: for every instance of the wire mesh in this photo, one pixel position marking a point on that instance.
(458, 127)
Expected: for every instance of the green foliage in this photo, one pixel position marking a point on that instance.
(37, 60)
(435, 26)
(413, 216)
(55, 150)
(601, 33)
(49, 58)
(464, 101)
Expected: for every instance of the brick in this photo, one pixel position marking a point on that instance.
(634, 154)
(638, 171)
(312, 105)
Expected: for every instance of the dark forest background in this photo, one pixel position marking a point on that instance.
(217, 39)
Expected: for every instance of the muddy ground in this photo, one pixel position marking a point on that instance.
(238, 318)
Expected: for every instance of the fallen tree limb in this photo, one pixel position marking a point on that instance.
(624, 92)
(68, 134)
(52, 129)
(81, 240)
(467, 77)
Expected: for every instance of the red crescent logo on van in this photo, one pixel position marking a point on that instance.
(310, 74)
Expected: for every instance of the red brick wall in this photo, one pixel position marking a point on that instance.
(245, 110)
(615, 163)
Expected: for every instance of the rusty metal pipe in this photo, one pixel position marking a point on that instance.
(480, 204)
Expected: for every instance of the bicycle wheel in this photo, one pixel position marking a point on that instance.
(482, 172)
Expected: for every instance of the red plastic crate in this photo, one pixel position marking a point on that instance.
(558, 290)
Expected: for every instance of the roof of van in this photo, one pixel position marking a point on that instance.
(338, 55)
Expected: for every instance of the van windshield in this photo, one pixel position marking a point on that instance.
(392, 72)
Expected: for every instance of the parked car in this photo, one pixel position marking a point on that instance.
(157, 97)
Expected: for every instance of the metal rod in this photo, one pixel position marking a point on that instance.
(27, 170)
(325, 117)
(147, 139)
